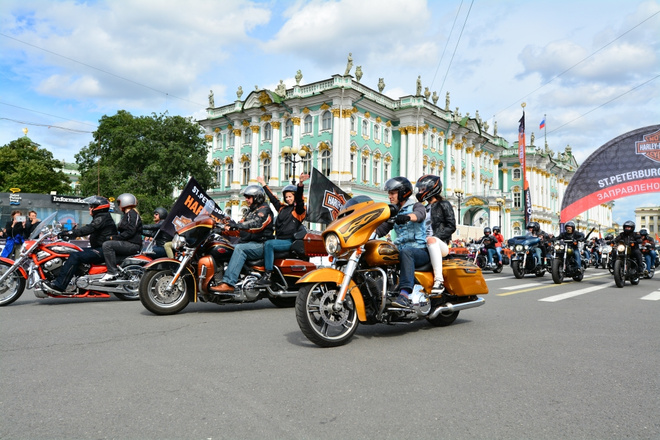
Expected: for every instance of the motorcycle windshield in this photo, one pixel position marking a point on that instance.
(207, 211)
(40, 227)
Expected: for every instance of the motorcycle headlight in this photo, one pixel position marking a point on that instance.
(178, 242)
(519, 247)
(332, 245)
(621, 248)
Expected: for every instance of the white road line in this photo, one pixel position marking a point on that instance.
(576, 293)
(522, 286)
(655, 296)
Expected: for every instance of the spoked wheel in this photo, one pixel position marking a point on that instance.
(12, 287)
(131, 290)
(318, 319)
(157, 296)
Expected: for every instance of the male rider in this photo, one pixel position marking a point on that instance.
(630, 237)
(650, 254)
(534, 230)
(575, 236)
(255, 228)
(161, 237)
(99, 230)
(489, 243)
(410, 232)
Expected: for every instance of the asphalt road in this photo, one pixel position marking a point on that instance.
(537, 361)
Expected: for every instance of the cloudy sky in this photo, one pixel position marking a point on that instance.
(591, 66)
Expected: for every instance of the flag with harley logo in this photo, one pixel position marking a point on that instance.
(325, 199)
(189, 204)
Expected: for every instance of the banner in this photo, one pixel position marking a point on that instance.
(189, 204)
(625, 166)
(325, 199)
(522, 157)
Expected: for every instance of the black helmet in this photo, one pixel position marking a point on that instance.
(629, 226)
(536, 228)
(643, 232)
(570, 224)
(609, 237)
(162, 213)
(98, 203)
(428, 186)
(400, 184)
(289, 188)
(487, 230)
(256, 192)
(496, 229)
(126, 200)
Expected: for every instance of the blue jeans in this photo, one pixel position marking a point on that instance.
(243, 251)
(578, 257)
(538, 255)
(410, 258)
(492, 252)
(91, 256)
(649, 258)
(272, 246)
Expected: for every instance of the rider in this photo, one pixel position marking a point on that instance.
(630, 237)
(649, 255)
(497, 233)
(571, 234)
(440, 225)
(161, 237)
(410, 235)
(489, 242)
(289, 220)
(99, 230)
(534, 230)
(129, 239)
(255, 228)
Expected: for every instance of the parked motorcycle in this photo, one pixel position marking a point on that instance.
(625, 265)
(564, 262)
(478, 254)
(522, 259)
(42, 257)
(363, 280)
(169, 284)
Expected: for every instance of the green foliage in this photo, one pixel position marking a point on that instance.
(148, 156)
(32, 169)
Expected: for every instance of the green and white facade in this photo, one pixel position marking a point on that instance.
(359, 138)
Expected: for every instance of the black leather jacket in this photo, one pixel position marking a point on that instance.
(152, 229)
(99, 230)
(442, 220)
(257, 224)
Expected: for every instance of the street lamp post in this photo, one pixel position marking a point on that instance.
(290, 153)
(459, 194)
(500, 203)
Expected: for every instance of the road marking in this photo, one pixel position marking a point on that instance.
(539, 285)
(498, 278)
(576, 293)
(655, 296)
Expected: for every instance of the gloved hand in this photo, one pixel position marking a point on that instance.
(64, 235)
(402, 219)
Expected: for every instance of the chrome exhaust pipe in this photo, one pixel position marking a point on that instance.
(451, 308)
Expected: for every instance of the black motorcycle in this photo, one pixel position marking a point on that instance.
(522, 259)
(625, 265)
(564, 263)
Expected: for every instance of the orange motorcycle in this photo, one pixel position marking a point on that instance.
(363, 279)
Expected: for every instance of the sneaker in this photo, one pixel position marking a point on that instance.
(264, 281)
(401, 301)
(108, 277)
(646, 273)
(438, 288)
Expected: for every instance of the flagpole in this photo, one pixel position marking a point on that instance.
(545, 130)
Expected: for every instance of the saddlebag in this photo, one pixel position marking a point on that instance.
(462, 278)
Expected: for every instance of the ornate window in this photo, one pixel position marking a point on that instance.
(516, 174)
(288, 128)
(365, 128)
(247, 137)
(365, 167)
(353, 124)
(376, 132)
(387, 136)
(326, 121)
(307, 127)
(352, 165)
(517, 198)
(375, 171)
(230, 174)
(268, 132)
(326, 162)
(265, 169)
(245, 172)
(307, 162)
(232, 138)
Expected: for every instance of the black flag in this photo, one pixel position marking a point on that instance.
(325, 199)
(191, 201)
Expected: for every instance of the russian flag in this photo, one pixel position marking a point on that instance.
(542, 124)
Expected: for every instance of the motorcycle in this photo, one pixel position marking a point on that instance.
(605, 252)
(564, 262)
(478, 254)
(646, 249)
(363, 280)
(522, 259)
(169, 284)
(625, 265)
(42, 257)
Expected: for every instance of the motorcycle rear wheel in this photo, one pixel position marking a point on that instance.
(135, 274)
(318, 320)
(619, 276)
(282, 302)
(13, 287)
(518, 271)
(157, 299)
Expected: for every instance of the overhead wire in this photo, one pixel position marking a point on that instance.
(451, 31)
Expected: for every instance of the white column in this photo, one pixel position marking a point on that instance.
(238, 143)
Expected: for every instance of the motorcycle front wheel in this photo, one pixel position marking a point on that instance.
(619, 275)
(557, 271)
(319, 321)
(158, 298)
(131, 290)
(12, 287)
(518, 271)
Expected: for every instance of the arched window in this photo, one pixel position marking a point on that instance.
(265, 169)
(365, 128)
(326, 121)
(232, 139)
(375, 171)
(353, 123)
(230, 174)
(365, 168)
(376, 132)
(387, 136)
(386, 172)
(245, 172)
(288, 128)
(352, 165)
(307, 128)
(307, 163)
(516, 173)
(326, 162)
(268, 133)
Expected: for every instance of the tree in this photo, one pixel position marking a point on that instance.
(147, 156)
(32, 169)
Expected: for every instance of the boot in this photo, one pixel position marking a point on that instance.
(265, 280)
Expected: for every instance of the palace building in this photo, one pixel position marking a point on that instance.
(359, 138)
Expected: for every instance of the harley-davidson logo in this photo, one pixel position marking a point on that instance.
(333, 202)
(650, 146)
